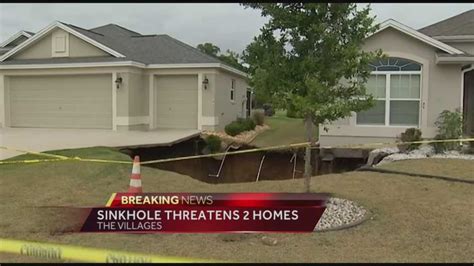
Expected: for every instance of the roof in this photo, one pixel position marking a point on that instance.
(21, 34)
(133, 46)
(391, 23)
(148, 49)
(462, 24)
(126, 47)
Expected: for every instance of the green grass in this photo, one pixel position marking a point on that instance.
(429, 214)
(283, 130)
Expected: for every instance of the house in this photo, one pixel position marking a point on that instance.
(428, 70)
(110, 77)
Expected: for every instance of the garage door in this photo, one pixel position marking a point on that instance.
(176, 101)
(79, 101)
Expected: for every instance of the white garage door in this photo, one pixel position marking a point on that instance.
(79, 101)
(176, 101)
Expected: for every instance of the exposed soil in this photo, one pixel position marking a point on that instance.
(236, 168)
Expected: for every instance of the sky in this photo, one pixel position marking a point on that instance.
(227, 25)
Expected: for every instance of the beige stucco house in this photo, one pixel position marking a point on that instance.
(113, 78)
(428, 70)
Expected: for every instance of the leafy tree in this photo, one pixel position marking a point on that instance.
(209, 48)
(231, 58)
(308, 56)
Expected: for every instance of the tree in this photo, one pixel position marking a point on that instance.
(209, 48)
(230, 58)
(308, 57)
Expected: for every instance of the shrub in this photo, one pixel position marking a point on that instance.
(258, 117)
(234, 128)
(410, 134)
(240, 125)
(268, 109)
(248, 123)
(450, 126)
(291, 112)
(213, 143)
(439, 147)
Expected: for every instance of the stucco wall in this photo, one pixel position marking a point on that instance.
(131, 82)
(227, 110)
(440, 89)
(132, 98)
(43, 48)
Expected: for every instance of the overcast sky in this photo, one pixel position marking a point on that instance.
(229, 26)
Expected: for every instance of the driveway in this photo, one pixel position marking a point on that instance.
(42, 139)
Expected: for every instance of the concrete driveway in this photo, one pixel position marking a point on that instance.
(42, 139)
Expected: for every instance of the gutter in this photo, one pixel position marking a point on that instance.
(454, 59)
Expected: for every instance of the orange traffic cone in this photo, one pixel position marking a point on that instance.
(135, 178)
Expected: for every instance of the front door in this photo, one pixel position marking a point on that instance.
(468, 104)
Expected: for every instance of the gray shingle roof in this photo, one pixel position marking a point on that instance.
(148, 49)
(462, 24)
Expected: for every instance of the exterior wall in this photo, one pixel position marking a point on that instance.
(226, 110)
(80, 48)
(338, 140)
(206, 106)
(131, 101)
(440, 89)
(122, 117)
(43, 48)
(467, 47)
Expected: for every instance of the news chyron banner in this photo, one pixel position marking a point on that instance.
(207, 213)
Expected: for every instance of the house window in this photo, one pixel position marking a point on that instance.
(395, 84)
(232, 90)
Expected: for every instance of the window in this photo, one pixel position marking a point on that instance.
(232, 90)
(396, 85)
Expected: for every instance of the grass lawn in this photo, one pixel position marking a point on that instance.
(283, 130)
(460, 169)
(413, 219)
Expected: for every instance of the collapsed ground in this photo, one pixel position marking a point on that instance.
(412, 219)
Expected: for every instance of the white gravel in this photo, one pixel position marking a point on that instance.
(425, 151)
(340, 212)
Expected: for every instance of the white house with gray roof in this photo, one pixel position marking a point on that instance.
(110, 77)
(428, 70)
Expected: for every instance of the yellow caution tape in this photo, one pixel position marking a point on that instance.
(85, 254)
(278, 147)
(35, 153)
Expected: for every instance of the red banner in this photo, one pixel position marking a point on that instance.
(208, 213)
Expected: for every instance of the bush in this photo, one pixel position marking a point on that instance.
(234, 128)
(247, 123)
(291, 112)
(268, 109)
(450, 126)
(240, 125)
(258, 117)
(410, 135)
(439, 147)
(213, 143)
